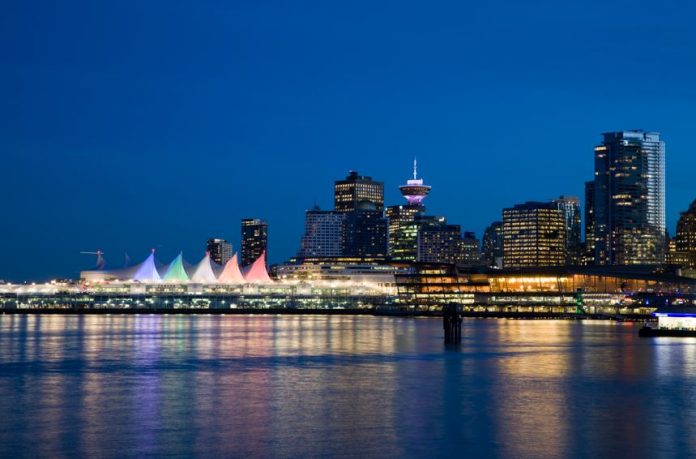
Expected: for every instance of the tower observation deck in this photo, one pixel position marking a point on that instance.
(415, 191)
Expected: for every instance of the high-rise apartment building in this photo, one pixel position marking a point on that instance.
(629, 204)
(323, 236)
(533, 235)
(254, 239)
(219, 249)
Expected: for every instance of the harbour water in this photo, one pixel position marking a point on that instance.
(319, 386)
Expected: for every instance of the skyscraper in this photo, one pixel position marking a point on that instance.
(365, 228)
(254, 239)
(492, 246)
(323, 236)
(590, 241)
(358, 192)
(219, 249)
(630, 198)
(570, 207)
(533, 235)
(365, 234)
(402, 244)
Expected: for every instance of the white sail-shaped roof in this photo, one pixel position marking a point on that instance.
(231, 274)
(256, 273)
(147, 271)
(203, 272)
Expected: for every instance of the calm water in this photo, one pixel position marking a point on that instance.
(264, 386)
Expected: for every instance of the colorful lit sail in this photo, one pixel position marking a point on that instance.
(231, 274)
(256, 273)
(203, 272)
(175, 271)
(147, 270)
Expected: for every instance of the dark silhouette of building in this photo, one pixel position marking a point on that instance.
(570, 207)
(492, 246)
(365, 234)
(590, 238)
(254, 240)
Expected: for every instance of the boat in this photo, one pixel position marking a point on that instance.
(673, 320)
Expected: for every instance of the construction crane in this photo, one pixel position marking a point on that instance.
(100, 258)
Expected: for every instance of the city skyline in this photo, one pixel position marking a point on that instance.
(124, 139)
(237, 246)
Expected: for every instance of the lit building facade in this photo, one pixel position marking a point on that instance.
(471, 249)
(361, 199)
(533, 235)
(323, 236)
(629, 204)
(219, 249)
(439, 242)
(254, 240)
(570, 207)
(358, 192)
(492, 246)
(402, 244)
(684, 252)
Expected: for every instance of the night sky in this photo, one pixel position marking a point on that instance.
(129, 125)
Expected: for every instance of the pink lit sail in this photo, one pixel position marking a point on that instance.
(231, 273)
(256, 273)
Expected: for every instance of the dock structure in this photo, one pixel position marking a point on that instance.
(452, 323)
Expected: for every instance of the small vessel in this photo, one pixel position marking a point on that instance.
(678, 321)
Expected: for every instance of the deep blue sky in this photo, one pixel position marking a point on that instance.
(127, 125)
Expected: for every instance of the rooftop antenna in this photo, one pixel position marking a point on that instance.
(415, 168)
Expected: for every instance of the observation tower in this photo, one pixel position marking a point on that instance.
(415, 191)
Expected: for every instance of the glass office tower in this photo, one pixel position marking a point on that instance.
(629, 204)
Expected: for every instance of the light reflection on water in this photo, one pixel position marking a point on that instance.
(295, 386)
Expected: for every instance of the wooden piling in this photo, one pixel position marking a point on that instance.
(452, 323)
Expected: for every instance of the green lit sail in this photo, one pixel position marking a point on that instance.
(175, 271)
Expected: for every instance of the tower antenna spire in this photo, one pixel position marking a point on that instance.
(415, 168)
